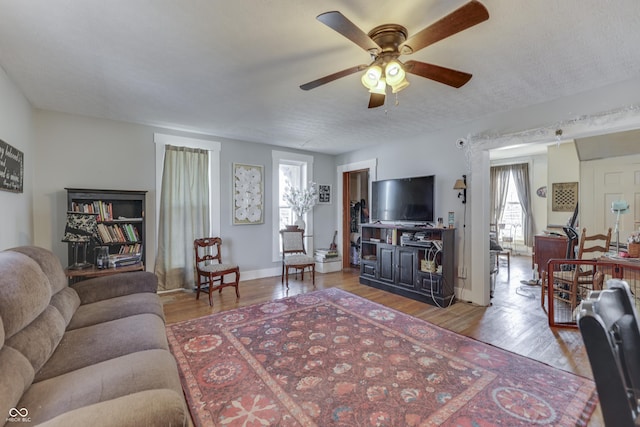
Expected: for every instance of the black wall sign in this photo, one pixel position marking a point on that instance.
(11, 168)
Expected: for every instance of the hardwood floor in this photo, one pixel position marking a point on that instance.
(514, 321)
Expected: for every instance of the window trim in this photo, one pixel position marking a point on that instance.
(278, 157)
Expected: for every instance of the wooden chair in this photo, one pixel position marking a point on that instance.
(294, 255)
(574, 285)
(210, 270)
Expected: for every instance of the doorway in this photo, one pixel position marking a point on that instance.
(355, 211)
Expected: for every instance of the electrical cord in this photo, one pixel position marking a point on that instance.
(430, 255)
(464, 247)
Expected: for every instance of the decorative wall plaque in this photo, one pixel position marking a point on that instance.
(564, 196)
(11, 168)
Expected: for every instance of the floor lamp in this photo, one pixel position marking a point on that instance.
(79, 231)
(619, 207)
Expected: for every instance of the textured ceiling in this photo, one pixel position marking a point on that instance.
(233, 68)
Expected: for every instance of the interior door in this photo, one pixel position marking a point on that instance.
(603, 182)
(355, 186)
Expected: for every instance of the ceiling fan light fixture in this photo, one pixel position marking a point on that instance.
(371, 77)
(380, 88)
(398, 87)
(394, 73)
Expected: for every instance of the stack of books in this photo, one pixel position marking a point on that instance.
(326, 255)
(123, 260)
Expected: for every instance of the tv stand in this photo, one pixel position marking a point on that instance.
(413, 261)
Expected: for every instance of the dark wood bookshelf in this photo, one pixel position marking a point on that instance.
(120, 212)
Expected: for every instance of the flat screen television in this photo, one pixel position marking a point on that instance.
(408, 200)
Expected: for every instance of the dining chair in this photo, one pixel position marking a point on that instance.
(210, 270)
(572, 285)
(294, 255)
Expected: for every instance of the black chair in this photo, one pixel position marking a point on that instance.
(609, 326)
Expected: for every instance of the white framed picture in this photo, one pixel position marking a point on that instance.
(324, 194)
(248, 194)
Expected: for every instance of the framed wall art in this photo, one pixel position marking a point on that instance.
(324, 194)
(248, 194)
(564, 196)
(11, 168)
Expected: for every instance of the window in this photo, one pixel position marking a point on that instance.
(512, 215)
(296, 170)
(289, 174)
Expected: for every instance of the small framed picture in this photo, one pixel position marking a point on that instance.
(324, 194)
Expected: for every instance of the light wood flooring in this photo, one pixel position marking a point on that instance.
(514, 321)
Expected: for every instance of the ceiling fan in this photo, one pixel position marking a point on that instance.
(385, 43)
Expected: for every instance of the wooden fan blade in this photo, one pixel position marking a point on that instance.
(338, 22)
(460, 19)
(332, 77)
(376, 100)
(443, 75)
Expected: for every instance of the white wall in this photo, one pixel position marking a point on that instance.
(563, 167)
(16, 209)
(82, 152)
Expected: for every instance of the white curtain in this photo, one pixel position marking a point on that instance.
(184, 215)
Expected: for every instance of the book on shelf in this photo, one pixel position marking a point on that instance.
(134, 248)
(103, 209)
(117, 233)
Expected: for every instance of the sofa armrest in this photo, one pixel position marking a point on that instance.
(115, 285)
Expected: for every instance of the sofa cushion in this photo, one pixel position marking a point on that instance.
(147, 408)
(116, 308)
(49, 264)
(67, 302)
(24, 291)
(122, 376)
(16, 374)
(39, 339)
(97, 343)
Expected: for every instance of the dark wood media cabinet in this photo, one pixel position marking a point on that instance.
(412, 261)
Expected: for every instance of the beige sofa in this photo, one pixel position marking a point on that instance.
(91, 354)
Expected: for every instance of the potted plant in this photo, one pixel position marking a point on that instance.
(301, 200)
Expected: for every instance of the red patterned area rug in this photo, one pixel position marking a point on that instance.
(330, 358)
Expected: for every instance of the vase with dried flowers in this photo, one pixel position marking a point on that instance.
(301, 200)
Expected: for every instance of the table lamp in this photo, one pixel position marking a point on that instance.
(80, 229)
